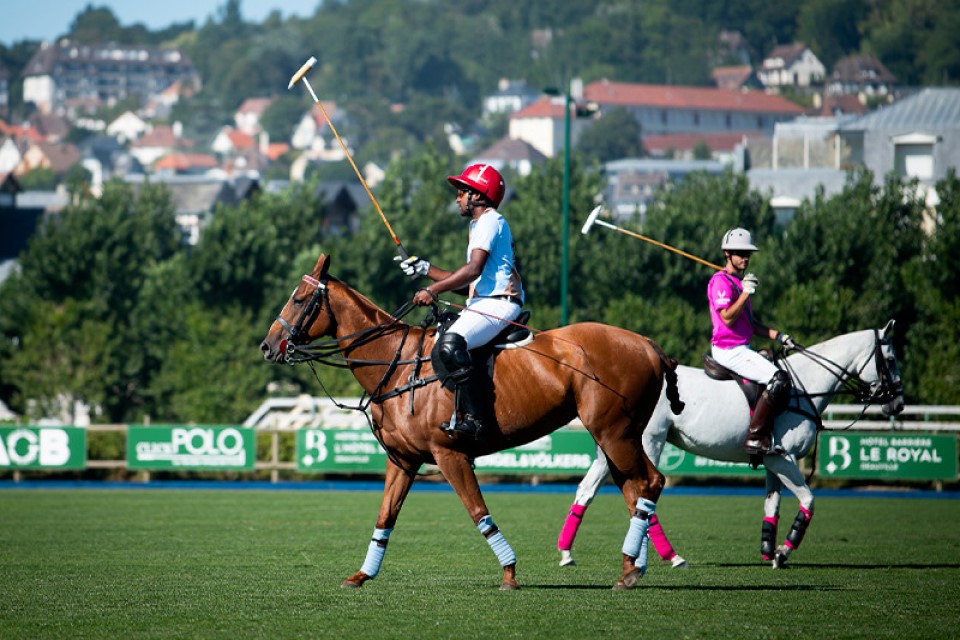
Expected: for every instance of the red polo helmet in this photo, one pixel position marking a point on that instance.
(483, 179)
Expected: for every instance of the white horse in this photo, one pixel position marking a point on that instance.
(714, 423)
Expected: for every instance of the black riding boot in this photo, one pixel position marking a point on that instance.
(453, 353)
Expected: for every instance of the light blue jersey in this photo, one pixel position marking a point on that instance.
(491, 233)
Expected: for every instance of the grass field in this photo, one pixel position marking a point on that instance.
(268, 564)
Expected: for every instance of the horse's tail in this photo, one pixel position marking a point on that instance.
(670, 374)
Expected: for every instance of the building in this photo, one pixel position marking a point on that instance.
(195, 198)
(515, 155)
(47, 155)
(735, 78)
(69, 76)
(684, 146)
(915, 138)
(791, 65)
(247, 117)
(863, 76)
(634, 183)
(669, 109)
(541, 126)
(127, 126)
(158, 142)
(511, 96)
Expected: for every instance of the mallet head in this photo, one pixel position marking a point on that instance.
(302, 72)
(590, 220)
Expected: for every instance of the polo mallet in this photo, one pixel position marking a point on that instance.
(301, 74)
(592, 219)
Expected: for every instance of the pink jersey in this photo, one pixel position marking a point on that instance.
(722, 290)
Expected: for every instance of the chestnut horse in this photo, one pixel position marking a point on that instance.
(609, 377)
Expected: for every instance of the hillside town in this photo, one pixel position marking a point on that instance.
(860, 117)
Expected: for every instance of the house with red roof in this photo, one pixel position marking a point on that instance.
(247, 117)
(158, 142)
(230, 141)
(660, 110)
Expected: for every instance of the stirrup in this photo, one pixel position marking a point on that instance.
(467, 426)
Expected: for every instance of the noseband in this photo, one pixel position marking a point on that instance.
(307, 315)
(886, 388)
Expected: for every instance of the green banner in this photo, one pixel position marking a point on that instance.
(191, 447)
(323, 450)
(43, 448)
(890, 456)
(677, 462)
(331, 450)
(562, 452)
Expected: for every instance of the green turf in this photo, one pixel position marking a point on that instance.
(245, 564)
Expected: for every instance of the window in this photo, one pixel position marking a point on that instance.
(913, 156)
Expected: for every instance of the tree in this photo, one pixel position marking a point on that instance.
(615, 135)
(86, 268)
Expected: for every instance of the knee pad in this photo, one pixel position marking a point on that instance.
(451, 351)
(778, 389)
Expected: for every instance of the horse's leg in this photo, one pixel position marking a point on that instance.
(586, 491)
(786, 468)
(396, 486)
(662, 545)
(641, 485)
(771, 516)
(456, 469)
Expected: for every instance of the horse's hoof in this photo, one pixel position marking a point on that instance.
(631, 577)
(347, 584)
(780, 560)
(679, 563)
(619, 585)
(509, 586)
(566, 558)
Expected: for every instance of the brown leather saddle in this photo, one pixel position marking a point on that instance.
(751, 390)
(511, 337)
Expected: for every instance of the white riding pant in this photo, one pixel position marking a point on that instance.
(746, 362)
(483, 319)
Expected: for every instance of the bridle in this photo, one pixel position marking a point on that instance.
(332, 353)
(307, 315)
(886, 389)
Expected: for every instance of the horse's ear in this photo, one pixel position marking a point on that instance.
(323, 263)
(887, 329)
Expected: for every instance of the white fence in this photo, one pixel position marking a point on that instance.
(308, 411)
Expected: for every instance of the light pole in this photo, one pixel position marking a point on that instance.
(565, 209)
(588, 110)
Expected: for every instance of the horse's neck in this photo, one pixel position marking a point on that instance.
(354, 314)
(849, 351)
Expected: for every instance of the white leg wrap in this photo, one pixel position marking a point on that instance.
(375, 552)
(639, 525)
(497, 542)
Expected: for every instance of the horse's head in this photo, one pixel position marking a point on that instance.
(885, 389)
(304, 318)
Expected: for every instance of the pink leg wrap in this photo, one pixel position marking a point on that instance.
(570, 526)
(659, 539)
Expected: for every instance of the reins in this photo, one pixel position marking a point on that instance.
(850, 382)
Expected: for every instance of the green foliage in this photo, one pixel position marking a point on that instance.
(110, 310)
(613, 136)
(41, 179)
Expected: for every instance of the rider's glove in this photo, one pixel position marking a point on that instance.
(786, 341)
(750, 283)
(414, 266)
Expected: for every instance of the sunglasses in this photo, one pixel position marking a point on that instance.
(741, 254)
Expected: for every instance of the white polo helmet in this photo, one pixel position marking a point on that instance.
(738, 240)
